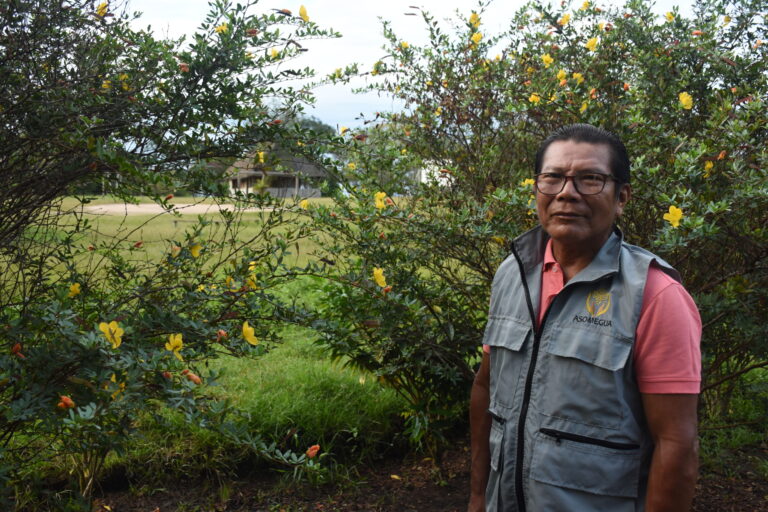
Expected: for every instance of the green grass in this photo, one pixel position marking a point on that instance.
(297, 386)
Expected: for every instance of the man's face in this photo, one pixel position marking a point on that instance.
(573, 220)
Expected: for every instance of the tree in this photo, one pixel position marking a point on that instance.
(688, 97)
(97, 331)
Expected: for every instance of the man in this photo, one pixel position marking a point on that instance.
(587, 392)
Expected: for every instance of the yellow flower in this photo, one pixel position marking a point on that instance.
(195, 250)
(352, 166)
(303, 13)
(499, 240)
(378, 199)
(601, 26)
(378, 277)
(528, 182)
(708, 165)
(591, 45)
(561, 74)
(404, 45)
(261, 157)
(74, 289)
(583, 107)
(547, 59)
(686, 100)
(101, 9)
(174, 345)
(120, 387)
(221, 28)
(230, 282)
(584, 6)
(477, 37)
(304, 204)
(674, 216)
(106, 84)
(530, 70)
(670, 16)
(175, 250)
(534, 98)
(474, 20)
(726, 20)
(439, 111)
(112, 332)
(274, 53)
(201, 288)
(123, 77)
(248, 334)
(343, 130)
(565, 19)
(403, 151)
(251, 282)
(578, 77)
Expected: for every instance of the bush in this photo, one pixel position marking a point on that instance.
(98, 332)
(686, 95)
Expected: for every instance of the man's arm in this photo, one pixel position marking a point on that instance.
(672, 422)
(480, 430)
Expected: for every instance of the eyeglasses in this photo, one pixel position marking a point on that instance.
(587, 184)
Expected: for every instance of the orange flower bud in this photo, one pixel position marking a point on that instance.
(626, 86)
(386, 289)
(194, 378)
(722, 155)
(169, 197)
(183, 67)
(91, 248)
(697, 33)
(138, 244)
(65, 403)
(312, 451)
(167, 375)
(221, 334)
(252, 32)
(16, 350)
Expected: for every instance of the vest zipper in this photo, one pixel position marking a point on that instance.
(559, 434)
(528, 384)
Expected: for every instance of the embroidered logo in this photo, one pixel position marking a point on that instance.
(598, 302)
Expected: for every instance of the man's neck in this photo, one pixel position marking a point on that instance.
(575, 258)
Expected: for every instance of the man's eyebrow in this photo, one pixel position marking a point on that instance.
(580, 171)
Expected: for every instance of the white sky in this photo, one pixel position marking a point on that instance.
(361, 41)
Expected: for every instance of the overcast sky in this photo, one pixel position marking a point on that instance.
(361, 42)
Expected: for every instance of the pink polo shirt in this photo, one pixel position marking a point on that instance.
(667, 354)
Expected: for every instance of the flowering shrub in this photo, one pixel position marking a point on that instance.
(97, 330)
(688, 96)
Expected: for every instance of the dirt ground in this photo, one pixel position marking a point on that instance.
(398, 485)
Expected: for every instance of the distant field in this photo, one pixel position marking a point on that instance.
(158, 230)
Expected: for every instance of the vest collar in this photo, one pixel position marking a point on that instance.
(530, 247)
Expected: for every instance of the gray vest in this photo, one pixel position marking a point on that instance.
(568, 430)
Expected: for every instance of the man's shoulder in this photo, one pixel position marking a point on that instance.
(653, 261)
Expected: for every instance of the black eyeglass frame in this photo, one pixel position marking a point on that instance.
(605, 178)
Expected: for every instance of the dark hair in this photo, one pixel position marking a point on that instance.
(591, 135)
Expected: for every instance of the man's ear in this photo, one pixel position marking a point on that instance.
(624, 195)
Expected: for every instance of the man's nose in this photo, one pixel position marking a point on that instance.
(569, 189)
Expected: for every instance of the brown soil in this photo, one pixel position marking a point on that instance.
(410, 484)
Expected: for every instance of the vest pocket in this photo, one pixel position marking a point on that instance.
(559, 435)
(584, 380)
(586, 464)
(506, 337)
